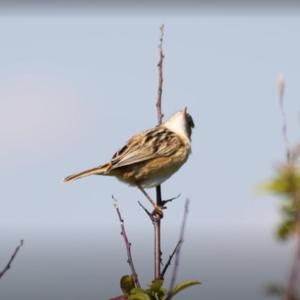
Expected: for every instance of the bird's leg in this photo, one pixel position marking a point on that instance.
(147, 195)
(157, 209)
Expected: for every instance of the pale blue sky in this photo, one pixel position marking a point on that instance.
(74, 88)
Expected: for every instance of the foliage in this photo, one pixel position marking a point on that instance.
(286, 184)
(155, 290)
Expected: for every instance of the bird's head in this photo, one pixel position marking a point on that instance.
(181, 123)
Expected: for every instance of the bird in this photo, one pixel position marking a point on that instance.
(149, 157)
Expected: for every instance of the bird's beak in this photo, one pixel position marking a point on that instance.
(185, 110)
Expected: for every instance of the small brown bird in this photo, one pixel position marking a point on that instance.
(149, 157)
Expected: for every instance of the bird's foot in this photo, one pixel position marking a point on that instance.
(157, 213)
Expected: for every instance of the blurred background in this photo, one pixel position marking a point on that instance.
(76, 84)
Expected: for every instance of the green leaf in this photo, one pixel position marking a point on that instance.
(183, 285)
(286, 229)
(289, 208)
(286, 181)
(138, 294)
(137, 291)
(156, 291)
(127, 284)
(156, 285)
(162, 293)
(279, 186)
(139, 297)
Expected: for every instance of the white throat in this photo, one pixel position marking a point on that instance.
(177, 124)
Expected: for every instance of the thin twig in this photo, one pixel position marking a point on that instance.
(157, 245)
(160, 76)
(281, 90)
(291, 157)
(294, 274)
(164, 202)
(295, 153)
(146, 211)
(177, 255)
(159, 203)
(127, 244)
(8, 265)
(170, 260)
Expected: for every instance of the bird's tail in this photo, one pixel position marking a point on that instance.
(101, 170)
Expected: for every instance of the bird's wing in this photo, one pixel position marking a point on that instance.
(153, 143)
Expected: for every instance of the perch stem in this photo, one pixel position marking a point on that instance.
(159, 203)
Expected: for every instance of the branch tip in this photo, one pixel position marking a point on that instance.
(8, 265)
(281, 90)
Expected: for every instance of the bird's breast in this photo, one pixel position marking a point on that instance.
(154, 172)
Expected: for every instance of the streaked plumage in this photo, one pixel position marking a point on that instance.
(150, 157)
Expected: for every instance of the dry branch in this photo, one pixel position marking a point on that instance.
(291, 157)
(160, 76)
(281, 89)
(294, 274)
(146, 211)
(170, 260)
(127, 244)
(177, 254)
(164, 202)
(8, 265)
(159, 202)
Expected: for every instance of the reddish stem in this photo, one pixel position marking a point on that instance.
(127, 245)
(157, 217)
